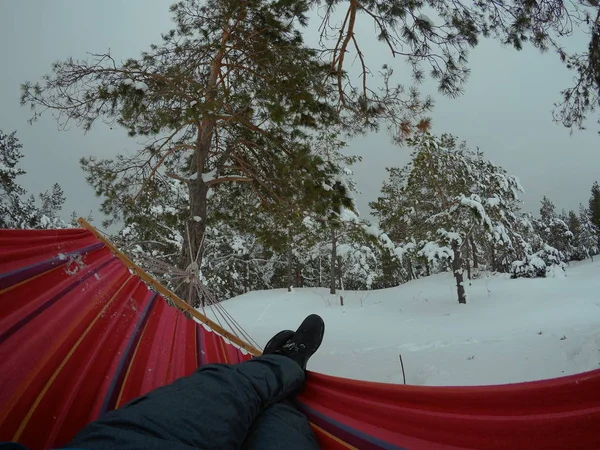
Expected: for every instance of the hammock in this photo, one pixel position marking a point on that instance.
(81, 334)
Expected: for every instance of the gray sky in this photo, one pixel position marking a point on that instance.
(506, 109)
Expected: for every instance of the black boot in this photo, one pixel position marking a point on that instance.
(277, 341)
(302, 344)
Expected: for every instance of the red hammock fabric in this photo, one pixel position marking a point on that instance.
(80, 335)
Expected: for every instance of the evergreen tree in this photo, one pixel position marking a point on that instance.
(228, 96)
(359, 260)
(554, 230)
(572, 220)
(444, 201)
(247, 238)
(438, 46)
(17, 210)
(594, 205)
(10, 190)
(52, 201)
(588, 238)
(549, 242)
(230, 87)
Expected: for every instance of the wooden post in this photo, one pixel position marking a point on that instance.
(182, 305)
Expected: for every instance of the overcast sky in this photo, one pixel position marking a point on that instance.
(506, 109)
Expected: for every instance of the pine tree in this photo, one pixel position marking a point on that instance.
(554, 230)
(10, 190)
(402, 223)
(572, 220)
(588, 238)
(17, 210)
(443, 202)
(439, 47)
(228, 96)
(52, 201)
(594, 205)
(547, 210)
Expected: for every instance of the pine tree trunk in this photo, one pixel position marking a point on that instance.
(229, 281)
(246, 274)
(339, 272)
(320, 273)
(333, 261)
(196, 224)
(458, 274)
(427, 269)
(474, 251)
(468, 268)
(193, 235)
(494, 266)
(290, 264)
(468, 260)
(411, 273)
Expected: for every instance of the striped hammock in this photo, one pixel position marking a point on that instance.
(81, 334)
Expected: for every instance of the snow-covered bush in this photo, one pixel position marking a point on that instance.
(548, 262)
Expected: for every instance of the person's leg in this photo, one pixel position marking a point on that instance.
(212, 409)
(281, 426)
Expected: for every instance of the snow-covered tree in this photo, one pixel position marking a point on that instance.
(359, 262)
(549, 242)
(152, 225)
(594, 206)
(229, 95)
(235, 263)
(554, 229)
(17, 210)
(252, 242)
(445, 200)
(390, 209)
(546, 262)
(587, 241)
(10, 191)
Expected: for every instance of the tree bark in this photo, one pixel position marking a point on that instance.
(458, 274)
(474, 251)
(290, 263)
(339, 272)
(320, 273)
(246, 274)
(333, 261)
(411, 273)
(194, 234)
(468, 260)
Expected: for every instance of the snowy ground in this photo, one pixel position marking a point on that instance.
(510, 331)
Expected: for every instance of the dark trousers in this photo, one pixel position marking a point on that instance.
(242, 406)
